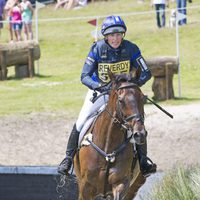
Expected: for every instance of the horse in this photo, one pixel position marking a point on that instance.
(108, 168)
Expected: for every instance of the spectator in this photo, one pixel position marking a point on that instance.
(160, 12)
(2, 4)
(181, 6)
(70, 4)
(8, 8)
(27, 14)
(17, 20)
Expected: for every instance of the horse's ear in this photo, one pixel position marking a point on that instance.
(111, 75)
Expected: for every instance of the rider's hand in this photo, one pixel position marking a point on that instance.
(104, 88)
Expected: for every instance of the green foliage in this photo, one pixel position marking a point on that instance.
(65, 42)
(195, 182)
(178, 184)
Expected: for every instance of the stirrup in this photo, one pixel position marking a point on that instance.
(151, 170)
(65, 165)
(148, 169)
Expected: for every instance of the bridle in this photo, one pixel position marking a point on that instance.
(121, 119)
(123, 122)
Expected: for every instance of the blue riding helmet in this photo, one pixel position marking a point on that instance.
(113, 24)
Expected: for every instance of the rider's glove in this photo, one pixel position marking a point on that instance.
(104, 88)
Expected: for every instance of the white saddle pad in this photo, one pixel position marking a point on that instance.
(88, 123)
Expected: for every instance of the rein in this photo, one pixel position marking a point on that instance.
(95, 97)
(127, 86)
(124, 123)
(138, 117)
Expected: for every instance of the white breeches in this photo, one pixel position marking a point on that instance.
(89, 108)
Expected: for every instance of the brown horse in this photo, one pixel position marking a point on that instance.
(108, 168)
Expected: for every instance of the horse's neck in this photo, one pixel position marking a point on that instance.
(110, 134)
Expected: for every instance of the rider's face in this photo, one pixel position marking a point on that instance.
(115, 39)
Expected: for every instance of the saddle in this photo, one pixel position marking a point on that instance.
(88, 125)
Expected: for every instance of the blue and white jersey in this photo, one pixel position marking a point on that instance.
(125, 59)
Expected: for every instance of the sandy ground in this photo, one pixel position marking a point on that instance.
(40, 138)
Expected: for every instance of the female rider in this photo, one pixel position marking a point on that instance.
(119, 56)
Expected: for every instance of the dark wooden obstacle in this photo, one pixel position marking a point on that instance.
(21, 55)
(40, 183)
(163, 68)
(36, 183)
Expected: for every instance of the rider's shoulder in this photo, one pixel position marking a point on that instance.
(130, 45)
(97, 46)
(99, 43)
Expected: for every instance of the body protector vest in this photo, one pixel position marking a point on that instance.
(127, 58)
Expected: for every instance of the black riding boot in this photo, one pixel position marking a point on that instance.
(72, 145)
(146, 165)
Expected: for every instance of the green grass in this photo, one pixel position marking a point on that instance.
(65, 44)
(182, 183)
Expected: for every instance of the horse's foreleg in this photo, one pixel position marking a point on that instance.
(86, 191)
(133, 189)
(118, 191)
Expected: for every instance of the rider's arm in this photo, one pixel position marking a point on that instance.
(140, 64)
(89, 68)
(145, 74)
